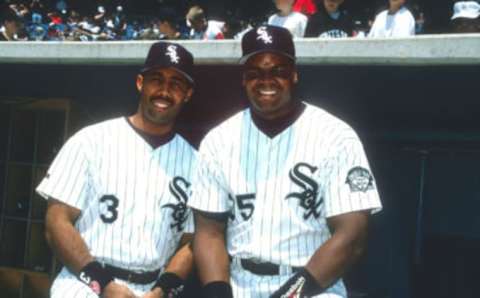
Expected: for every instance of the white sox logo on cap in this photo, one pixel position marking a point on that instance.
(263, 35)
(172, 53)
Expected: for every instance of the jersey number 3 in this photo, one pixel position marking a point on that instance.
(111, 213)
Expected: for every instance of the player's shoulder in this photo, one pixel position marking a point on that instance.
(108, 125)
(326, 122)
(95, 132)
(228, 129)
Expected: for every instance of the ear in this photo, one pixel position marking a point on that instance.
(189, 94)
(139, 83)
(295, 77)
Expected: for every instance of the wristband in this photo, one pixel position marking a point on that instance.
(311, 286)
(217, 289)
(170, 283)
(95, 276)
(302, 284)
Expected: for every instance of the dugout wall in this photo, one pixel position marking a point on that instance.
(414, 103)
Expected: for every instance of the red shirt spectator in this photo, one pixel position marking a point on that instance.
(307, 7)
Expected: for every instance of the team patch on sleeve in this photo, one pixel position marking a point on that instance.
(359, 179)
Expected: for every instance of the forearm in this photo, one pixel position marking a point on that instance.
(65, 240)
(342, 250)
(333, 259)
(182, 262)
(211, 257)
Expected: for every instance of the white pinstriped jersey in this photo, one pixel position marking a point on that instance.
(279, 191)
(132, 197)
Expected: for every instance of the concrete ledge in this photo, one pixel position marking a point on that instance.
(419, 50)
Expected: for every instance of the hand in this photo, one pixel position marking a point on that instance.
(115, 290)
(155, 293)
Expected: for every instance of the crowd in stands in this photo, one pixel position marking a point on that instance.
(55, 20)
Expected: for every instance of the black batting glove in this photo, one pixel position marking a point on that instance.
(217, 289)
(171, 284)
(301, 285)
(95, 276)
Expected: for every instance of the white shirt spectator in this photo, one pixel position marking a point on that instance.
(295, 22)
(400, 24)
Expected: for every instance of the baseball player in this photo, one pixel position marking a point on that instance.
(117, 193)
(283, 191)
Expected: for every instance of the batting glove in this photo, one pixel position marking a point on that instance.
(301, 285)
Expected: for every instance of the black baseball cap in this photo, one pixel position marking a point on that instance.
(167, 54)
(267, 38)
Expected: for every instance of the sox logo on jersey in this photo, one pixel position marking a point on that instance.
(179, 188)
(308, 197)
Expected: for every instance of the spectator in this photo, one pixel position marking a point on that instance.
(307, 7)
(232, 28)
(168, 25)
(37, 30)
(36, 6)
(396, 21)
(20, 9)
(201, 28)
(330, 21)
(295, 22)
(466, 17)
(10, 28)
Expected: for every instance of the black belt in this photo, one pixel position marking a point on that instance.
(263, 268)
(141, 278)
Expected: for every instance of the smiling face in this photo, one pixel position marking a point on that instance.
(268, 79)
(163, 92)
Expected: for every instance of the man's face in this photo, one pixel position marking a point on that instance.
(199, 24)
(332, 5)
(268, 79)
(163, 92)
(284, 5)
(163, 26)
(396, 3)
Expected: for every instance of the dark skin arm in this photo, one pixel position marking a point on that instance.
(68, 245)
(342, 250)
(209, 250)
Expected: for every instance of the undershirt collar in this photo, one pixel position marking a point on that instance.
(275, 126)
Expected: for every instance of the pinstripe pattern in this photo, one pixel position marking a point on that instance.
(310, 159)
(111, 159)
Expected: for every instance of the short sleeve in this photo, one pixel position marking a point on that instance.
(68, 178)
(350, 185)
(189, 225)
(210, 189)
